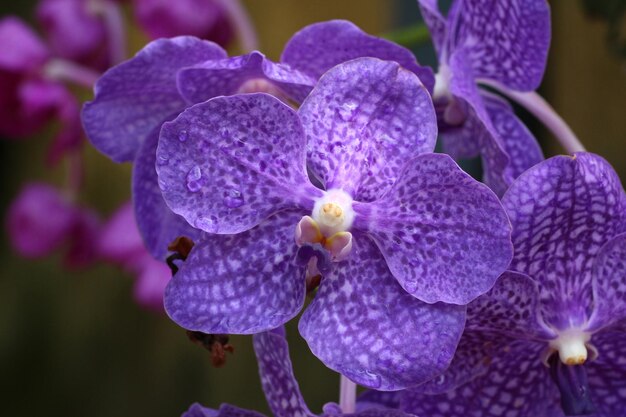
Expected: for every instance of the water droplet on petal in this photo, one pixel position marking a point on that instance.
(208, 224)
(347, 111)
(194, 177)
(233, 198)
(163, 160)
(183, 136)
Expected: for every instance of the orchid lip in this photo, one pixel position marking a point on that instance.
(573, 386)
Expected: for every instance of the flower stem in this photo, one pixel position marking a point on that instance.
(347, 395)
(410, 36)
(243, 25)
(63, 70)
(540, 108)
(114, 24)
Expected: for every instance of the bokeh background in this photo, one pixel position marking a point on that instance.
(74, 343)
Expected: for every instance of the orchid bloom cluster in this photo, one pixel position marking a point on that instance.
(316, 177)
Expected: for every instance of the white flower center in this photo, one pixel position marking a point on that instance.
(442, 83)
(333, 212)
(572, 346)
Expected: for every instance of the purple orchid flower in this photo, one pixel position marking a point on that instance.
(504, 41)
(41, 220)
(281, 387)
(548, 339)
(121, 244)
(124, 119)
(205, 19)
(390, 228)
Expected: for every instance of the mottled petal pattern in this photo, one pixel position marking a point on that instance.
(509, 308)
(158, 225)
(242, 284)
(518, 142)
(320, 46)
(609, 284)
(517, 385)
(229, 76)
(563, 210)
(363, 121)
(277, 378)
(444, 235)
(608, 373)
(233, 161)
(135, 97)
(365, 326)
(506, 40)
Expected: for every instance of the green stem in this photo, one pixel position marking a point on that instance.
(409, 36)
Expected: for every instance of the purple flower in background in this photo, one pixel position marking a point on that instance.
(206, 19)
(41, 220)
(504, 41)
(548, 340)
(30, 95)
(124, 119)
(121, 244)
(281, 387)
(390, 228)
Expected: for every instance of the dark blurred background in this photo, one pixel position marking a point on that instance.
(74, 343)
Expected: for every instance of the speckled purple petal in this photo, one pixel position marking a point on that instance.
(514, 137)
(517, 385)
(444, 235)
(229, 76)
(494, 157)
(436, 23)
(135, 97)
(279, 383)
(365, 326)
(510, 308)
(158, 225)
(227, 164)
(506, 40)
(562, 211)
(225, 410)
(240, 284)
(609, 284)
(318, 47)
(608, 372)
(363, 121)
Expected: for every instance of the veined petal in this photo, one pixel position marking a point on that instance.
(158, 225)
(240, 284)
(365, 326)
(135, 97)
(609, 284)
(225, 410)
(506, 40)
(436, 23)
(444, 235)
(277, 378)
(563, 211)
(363, 121)
(608, 372)
(229, 76)
(318, 47)
(494, 157)
(516, 385)
(517, 141)
(233, 162)
(510, 308)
